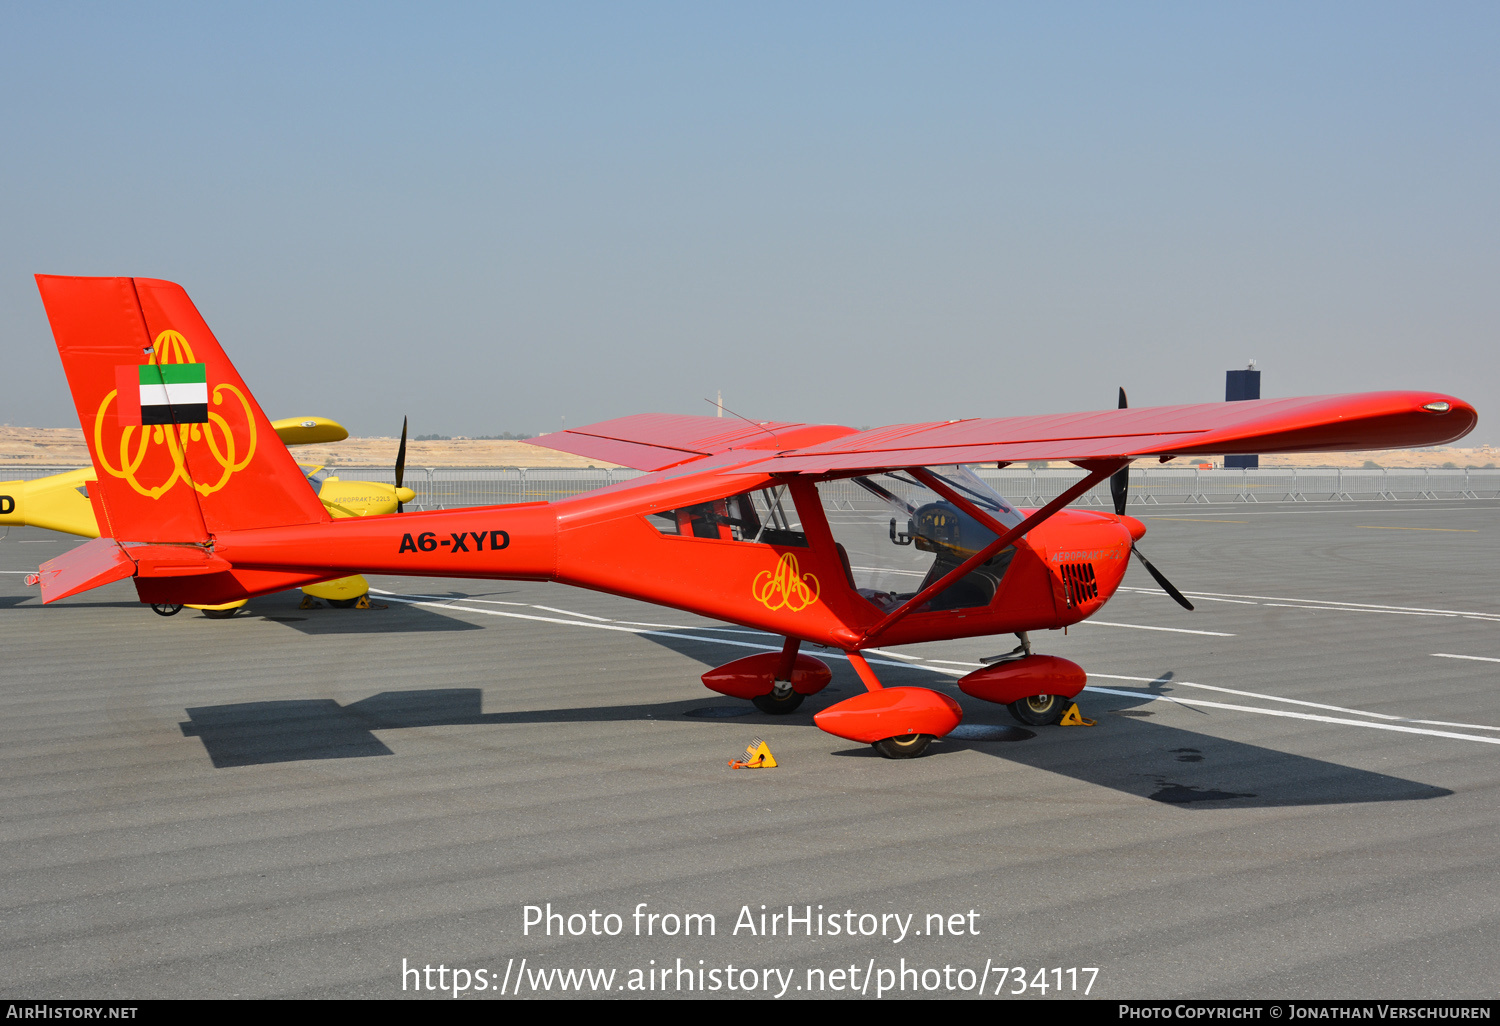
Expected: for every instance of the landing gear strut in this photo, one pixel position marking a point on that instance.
(1021, 651)
(776, 682)
(782, 698)
(909, 707)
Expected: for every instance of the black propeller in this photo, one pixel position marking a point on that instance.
(1166, 585)
(1119, 490)
(401, 465)
(1119, 483)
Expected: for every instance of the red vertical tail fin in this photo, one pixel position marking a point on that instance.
(181, 448)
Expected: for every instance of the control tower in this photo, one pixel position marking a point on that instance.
(1239, 385)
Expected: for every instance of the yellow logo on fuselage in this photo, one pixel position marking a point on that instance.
(171, 347)
(786, 587)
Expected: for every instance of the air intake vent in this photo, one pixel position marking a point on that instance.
(1078, 579)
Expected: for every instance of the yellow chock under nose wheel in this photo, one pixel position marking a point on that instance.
(1073, 718)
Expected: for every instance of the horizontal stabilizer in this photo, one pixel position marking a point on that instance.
(174, 560)
(97, 562)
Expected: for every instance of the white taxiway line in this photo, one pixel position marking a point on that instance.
(1478, 659)
(1143, 627)
(1345, 609)
(1353, 607)
(1296, 701)
(569, 612)
(1318, 502)
(685, 627)
(445, 602)
(899, 655)
(441, 602)
(1288, 714)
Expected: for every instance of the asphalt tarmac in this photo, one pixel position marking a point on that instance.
(305, 802)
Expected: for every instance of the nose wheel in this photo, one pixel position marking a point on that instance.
(779, 703)
(907, 746)
(1040, 710)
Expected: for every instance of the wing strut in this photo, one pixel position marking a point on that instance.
(1098, 471)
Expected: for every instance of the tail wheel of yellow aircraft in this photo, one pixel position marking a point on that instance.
(221, 614)
(344, 603)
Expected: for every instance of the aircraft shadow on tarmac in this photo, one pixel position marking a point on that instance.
(35, 600)
(397, 619)
(1165, 764)
(257, 733)
(1131, 754)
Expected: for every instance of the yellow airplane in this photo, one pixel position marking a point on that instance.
(61, 503)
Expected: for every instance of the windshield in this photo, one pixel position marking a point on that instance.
(899, 536)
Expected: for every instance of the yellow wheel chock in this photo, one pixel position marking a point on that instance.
(757, 756)
(1073, 718)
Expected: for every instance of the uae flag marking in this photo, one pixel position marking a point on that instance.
(169, 393)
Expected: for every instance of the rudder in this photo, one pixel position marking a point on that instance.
(181, 448)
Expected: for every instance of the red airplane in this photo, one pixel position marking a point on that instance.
(818, 533)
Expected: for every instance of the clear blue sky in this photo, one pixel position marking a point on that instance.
(492, 216)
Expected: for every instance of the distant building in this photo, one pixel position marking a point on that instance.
(1240, 385)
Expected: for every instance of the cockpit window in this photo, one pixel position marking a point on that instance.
(766, 515)
(899, 536)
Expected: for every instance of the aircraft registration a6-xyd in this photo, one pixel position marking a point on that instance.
(818, 533)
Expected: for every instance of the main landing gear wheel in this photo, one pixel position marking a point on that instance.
(907, 746)
(220, 614)
(778, 706)
(345, 603)
(1040, 710)
(166, 608)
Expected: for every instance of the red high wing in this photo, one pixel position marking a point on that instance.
(656, 441)
(1370, 420)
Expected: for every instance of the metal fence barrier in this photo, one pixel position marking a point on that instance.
(451, 488)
